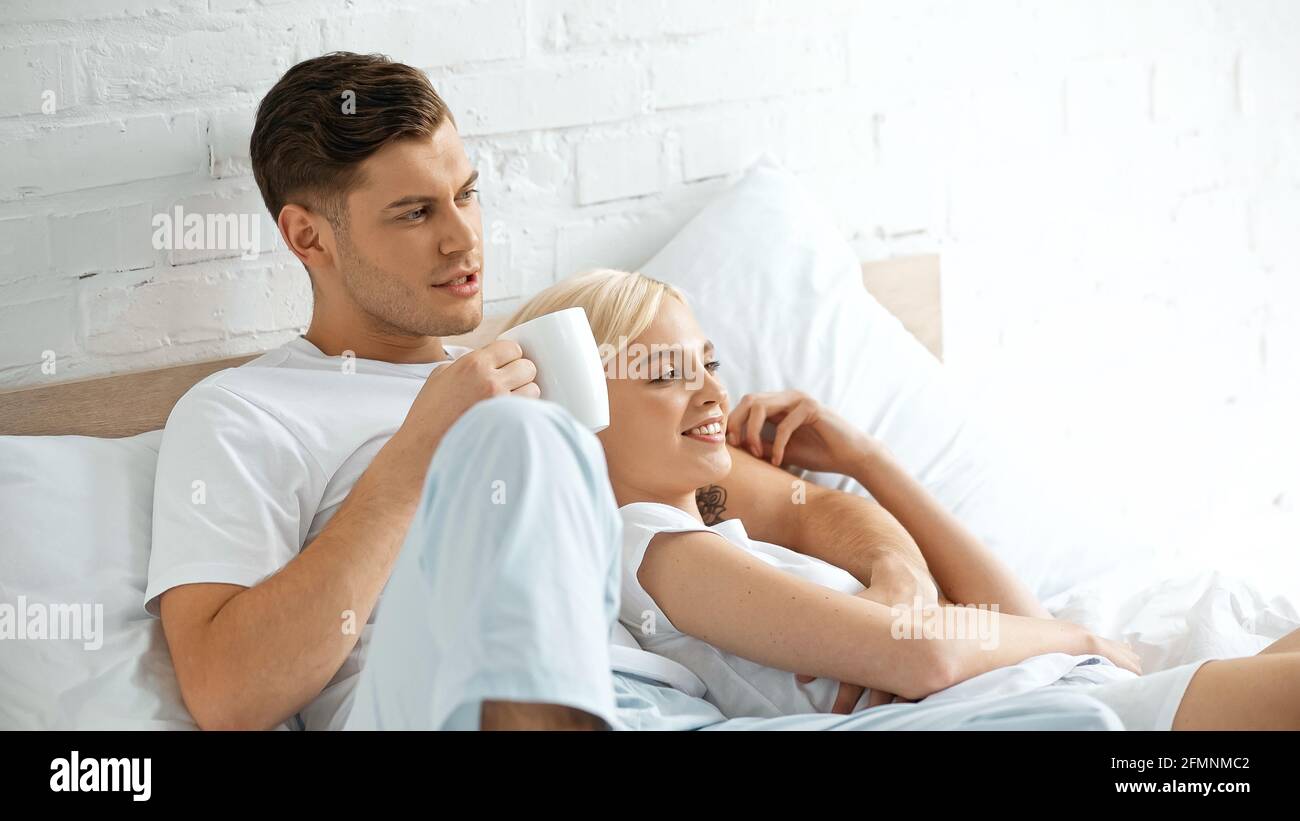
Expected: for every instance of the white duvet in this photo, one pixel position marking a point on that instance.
(1176, 615)
(129, 683)
(77, 515)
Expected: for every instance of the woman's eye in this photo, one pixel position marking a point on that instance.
(466, 195)
(666, 376)
(671, 373)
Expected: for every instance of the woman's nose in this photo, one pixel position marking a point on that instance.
(714, 392)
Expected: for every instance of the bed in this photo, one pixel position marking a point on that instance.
(76, 468)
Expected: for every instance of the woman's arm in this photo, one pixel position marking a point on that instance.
(812, 436)
(850, 532)
(720, 594)
(966, 570)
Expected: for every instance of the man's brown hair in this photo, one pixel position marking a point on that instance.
(326, 115)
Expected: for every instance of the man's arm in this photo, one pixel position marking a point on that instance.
(847, 531)
(248, 658)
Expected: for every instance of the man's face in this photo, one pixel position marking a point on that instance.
(413, 225)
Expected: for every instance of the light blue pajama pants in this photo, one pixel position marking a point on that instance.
(507, 586)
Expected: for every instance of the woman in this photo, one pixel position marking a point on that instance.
(744, 614)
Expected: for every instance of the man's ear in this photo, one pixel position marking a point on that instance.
(308, 235)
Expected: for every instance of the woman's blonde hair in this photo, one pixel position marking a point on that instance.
(620, 305)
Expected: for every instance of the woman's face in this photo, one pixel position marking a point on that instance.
(661, 393)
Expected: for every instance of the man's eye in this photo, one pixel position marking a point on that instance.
(412, 216)
(466, 195)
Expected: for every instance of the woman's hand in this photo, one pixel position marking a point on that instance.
(1121, 653)
(897, 581)
(845, 697)
(849, 694)
(808, 434)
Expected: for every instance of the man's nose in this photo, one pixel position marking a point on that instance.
(459, 233)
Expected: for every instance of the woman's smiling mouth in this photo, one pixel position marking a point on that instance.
(710, 432)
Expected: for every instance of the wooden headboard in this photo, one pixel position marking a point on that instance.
(131, 403)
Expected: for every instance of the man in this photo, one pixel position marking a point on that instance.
(367, 458)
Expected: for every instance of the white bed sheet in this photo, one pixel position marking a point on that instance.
(1178, 611)
(1174, 610)
(1193, 614)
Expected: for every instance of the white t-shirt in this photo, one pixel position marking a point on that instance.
(736, 685)
(740, 687)
(255, 460)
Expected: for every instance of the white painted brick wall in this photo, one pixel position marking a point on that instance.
(618, 168)
(1114, 188)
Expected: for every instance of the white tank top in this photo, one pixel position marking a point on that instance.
(735, 685)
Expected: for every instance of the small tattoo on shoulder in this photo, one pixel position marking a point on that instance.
(712, 502)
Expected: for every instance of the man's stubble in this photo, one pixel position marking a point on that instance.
(391, 307)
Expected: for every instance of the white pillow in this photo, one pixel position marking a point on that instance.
(779, 291)
(77, 514)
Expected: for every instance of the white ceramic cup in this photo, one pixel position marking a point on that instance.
(569, 371)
